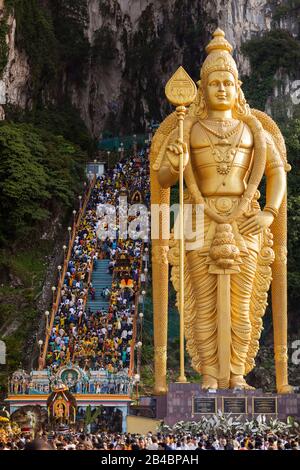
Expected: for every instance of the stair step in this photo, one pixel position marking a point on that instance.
(100, 280)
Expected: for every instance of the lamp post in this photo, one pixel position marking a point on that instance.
(141, 316)
(137, 380)
(53, 293)
(134, 145)
(143, 300)
(47, 313)
(74, 216)
(95, 167)
(40, 343)
(80, 202)
(59, 268)
(146, 250)
(69, 230)
(122, 150)
(146, 275)
(64, 250)
(108, 154)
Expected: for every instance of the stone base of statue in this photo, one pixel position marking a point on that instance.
(188, 402)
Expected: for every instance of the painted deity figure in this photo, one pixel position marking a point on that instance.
(227, 149)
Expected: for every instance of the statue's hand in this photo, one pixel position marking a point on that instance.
(175, 152)
(256, 223)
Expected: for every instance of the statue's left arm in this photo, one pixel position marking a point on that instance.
(275, 191)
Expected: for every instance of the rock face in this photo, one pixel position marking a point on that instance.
(135, 47)
(17, 72)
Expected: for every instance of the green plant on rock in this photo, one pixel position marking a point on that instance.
(275, 50)
(35, 35)
(39, 173)
(104, 49)
(70, 21)
(284, 10)
(3, 44)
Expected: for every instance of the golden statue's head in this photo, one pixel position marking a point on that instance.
(220, 87)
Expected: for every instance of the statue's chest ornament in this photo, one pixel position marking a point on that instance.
(224, 157)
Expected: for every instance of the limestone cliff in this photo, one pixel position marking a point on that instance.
(135, 45)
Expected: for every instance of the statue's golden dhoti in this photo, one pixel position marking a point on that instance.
(249, 279)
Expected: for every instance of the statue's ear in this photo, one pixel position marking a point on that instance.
(198, 83)
(240, 83)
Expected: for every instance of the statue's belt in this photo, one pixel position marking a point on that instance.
(222, 205)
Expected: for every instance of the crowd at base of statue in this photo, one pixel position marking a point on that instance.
(135, 442)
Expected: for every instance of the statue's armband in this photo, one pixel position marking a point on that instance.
(274, 160)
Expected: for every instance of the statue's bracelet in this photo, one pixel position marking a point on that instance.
(272, 210)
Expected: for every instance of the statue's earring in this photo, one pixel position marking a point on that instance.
(241, 107)
(201, 104)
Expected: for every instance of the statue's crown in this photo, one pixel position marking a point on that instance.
(219, 56)
(219, 42)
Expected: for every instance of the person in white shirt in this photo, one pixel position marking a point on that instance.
(153, 444)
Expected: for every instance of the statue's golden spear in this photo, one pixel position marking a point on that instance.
(181, 91)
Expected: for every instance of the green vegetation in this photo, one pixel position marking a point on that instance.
(70, 19)
(141, 62)
(104, 49)
(276, 49)
(283, 10)
(21, 279)
(53, 36)
(43, 155)
(3, 44)
(39, 173)
(35, 35)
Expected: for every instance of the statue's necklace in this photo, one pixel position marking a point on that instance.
(224, 158)
(222, 136)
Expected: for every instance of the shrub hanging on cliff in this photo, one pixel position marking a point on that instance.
(276, 49)
(39, 173)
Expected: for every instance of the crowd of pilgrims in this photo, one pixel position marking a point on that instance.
(101, 340)
(168, 442)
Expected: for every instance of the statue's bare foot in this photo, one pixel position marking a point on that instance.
(285, 389)
(238, 381)
(209, 382)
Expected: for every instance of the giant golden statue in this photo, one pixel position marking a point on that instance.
(226, 148)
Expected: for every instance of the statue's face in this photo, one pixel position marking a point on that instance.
(220, 92)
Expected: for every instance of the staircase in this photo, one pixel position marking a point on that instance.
(100, 280)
